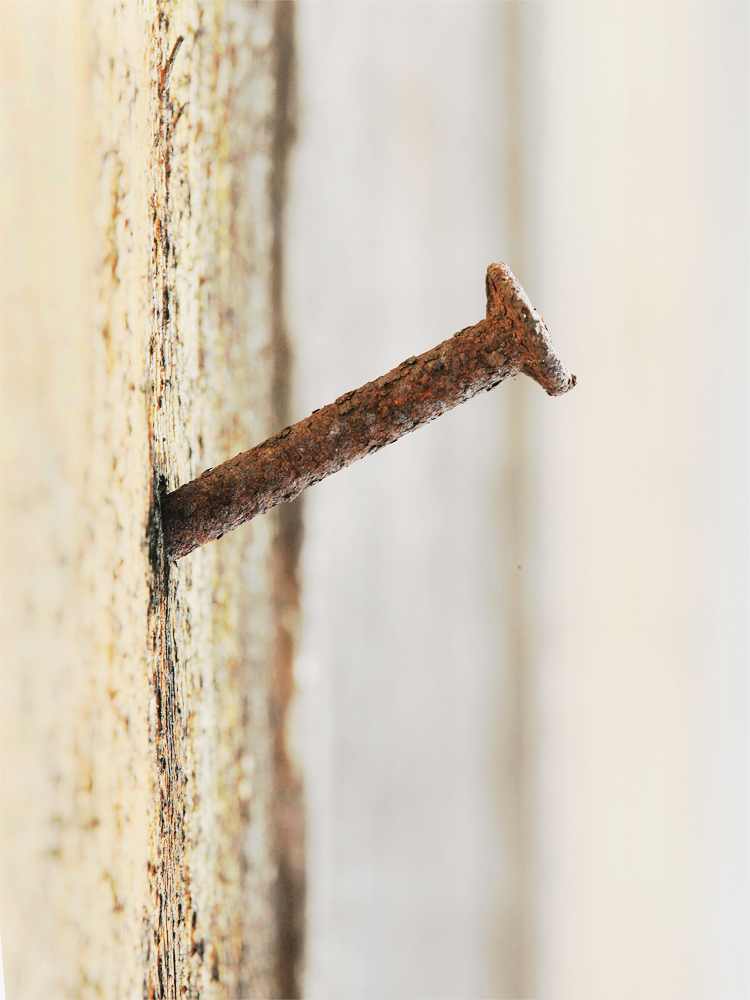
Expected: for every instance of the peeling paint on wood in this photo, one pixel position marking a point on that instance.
(215, 853)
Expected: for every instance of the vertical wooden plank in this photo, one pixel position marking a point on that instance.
(141, 701)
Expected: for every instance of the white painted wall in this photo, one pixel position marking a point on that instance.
(631, 134)
(640, 230)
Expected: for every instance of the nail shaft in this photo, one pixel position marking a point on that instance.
(511, 340)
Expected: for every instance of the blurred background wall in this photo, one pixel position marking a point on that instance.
(523, 698)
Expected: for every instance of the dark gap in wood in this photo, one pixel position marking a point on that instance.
(289, 820)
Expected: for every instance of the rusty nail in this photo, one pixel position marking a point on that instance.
(513, 339)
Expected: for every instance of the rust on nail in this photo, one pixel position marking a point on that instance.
(511, 340)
